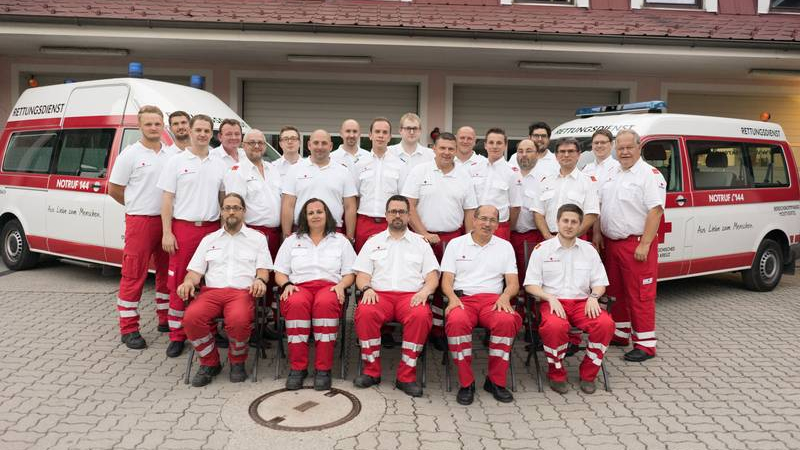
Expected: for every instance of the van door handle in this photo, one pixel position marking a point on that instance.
(680, 200)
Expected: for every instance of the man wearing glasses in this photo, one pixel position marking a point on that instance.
(539, 134)
(409, 150)
(230, 137)
(603, 163)
(289, 142)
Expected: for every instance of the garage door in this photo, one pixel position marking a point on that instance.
(785, 110)
(514, 108)
(270, 104)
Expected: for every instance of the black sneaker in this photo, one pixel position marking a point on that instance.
(205, 374)
(411, 388)
(238, 373)
(365, 381)
(500, 393)
(295, 379)
(134, 340)
(322, 380)
(637, 355)
(175, 348)
(466, 395)
(163, 328)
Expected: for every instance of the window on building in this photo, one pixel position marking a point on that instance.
(679, 3)
(84, 153)
(719, 165)
(769, 166)
(786, 5)
(664, 156)
(30, 152)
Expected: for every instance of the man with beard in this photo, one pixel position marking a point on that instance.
(397, 271)
(179, 127)
(230, 138)
(235, 262)
(524, 230)
(539, 134)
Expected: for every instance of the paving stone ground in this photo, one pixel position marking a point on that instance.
(725, 378)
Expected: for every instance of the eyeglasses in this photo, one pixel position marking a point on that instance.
(397, 212)
(412, 129)
(539, 136)
(289, 139)
(487, 219)
(256, 143)
(232, 208)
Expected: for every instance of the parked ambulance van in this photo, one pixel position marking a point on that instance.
(56, 153)
(733, 201)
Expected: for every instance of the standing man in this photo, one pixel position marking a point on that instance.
(603, 163)
(235, 263)
(379, 175)
(133, 185)
(409, 150)
(350, 152)
(539, 133)
(567, 276)
(442, 201)
(396, 271)
(289, 141)
(569, 185)
(632, 203)
(192, 181)
(474, 268)
(524, 230)
(497, 184)
(230, 137)
(465, 148)
(318, 177)
(179, 128)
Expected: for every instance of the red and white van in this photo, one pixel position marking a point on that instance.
(57, 150)
(733, 199)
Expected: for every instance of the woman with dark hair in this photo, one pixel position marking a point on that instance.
(313, 268)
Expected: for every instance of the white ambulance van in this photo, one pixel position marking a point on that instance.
(57, 151)
(733, 201)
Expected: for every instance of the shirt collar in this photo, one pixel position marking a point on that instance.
(492, 241)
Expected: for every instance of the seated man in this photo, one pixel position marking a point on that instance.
(475, 265)
(235, 261)
(397, 271)
(567, 275)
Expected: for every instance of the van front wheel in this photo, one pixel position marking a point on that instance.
(767, 268)
(16, 253)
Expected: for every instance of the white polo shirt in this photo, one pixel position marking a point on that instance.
(442, 197)
(600, 171)
(331, 184)
(567, 273)
(344, 157)
(473, 160)
(377, 179)
(498, 185)
(626, 198)
(175, 148)
(219, 152)
(557, 190)
(302, 261)
(230, 261)
(396, 265)
(262, 194)
(196, 184)
(479, 270)
(525, 221)
(283, 165)
(138, 168)
(545, 165)
(420, 155)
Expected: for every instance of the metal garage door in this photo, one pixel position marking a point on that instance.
(785, 109)
(513, 108)
(270, 104)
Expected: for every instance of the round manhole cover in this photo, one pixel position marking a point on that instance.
(304, 409)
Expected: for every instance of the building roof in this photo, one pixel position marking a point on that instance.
(442, 16)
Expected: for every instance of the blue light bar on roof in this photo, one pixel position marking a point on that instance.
(654, 106)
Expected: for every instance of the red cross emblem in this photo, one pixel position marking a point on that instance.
(663, 228)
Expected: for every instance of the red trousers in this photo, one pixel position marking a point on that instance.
(366, 227)
(437, 305)
(236, 306)
(502, 328)
(503, 230)
(188, 236)
(518, 240)
(554, 333)
(142, 240)
(313, 307)
(633, 283)
(392, 306)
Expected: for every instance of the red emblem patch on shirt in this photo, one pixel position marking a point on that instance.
(515, 169)
(656, 171)
(592, 177)
(235, 168)
(537, 246)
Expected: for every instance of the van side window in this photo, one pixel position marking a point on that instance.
(719, 165)
(129, 136)
(769, 165)
(84, 153)
(30, 152)
(665, 156)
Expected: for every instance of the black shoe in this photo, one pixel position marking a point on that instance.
(238, 373)
(438, 342)
(163, 328)
(387, 340)
(466, 395)
(499, 393)
(295, 379)
(220, 341)
(322, 380)
(175, 348)
(637, 355)
(411, 388)
(205, 374)
(365, 381)
(572, 349)
(134, 340)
